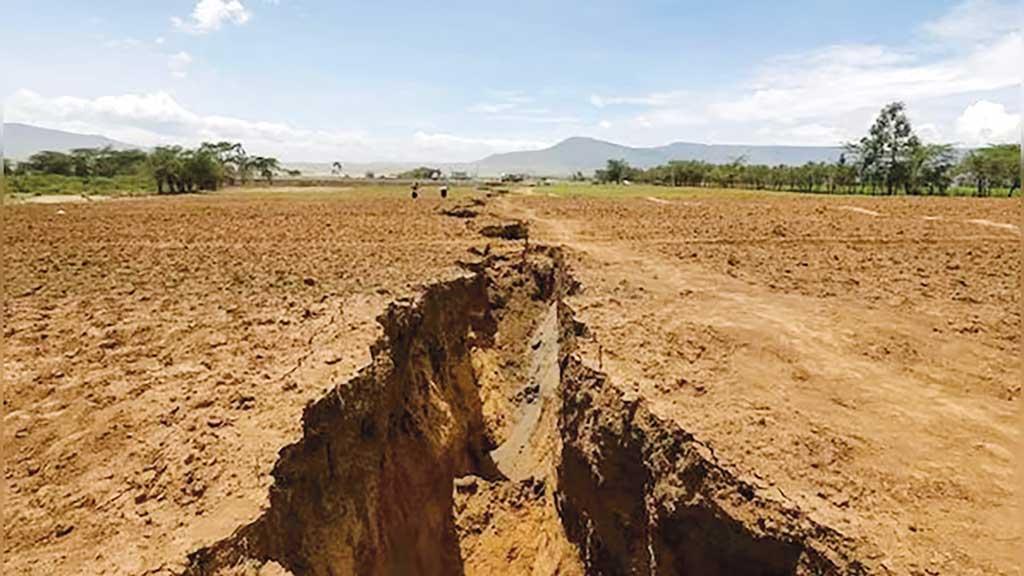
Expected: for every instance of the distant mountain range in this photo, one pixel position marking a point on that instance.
(22, 140)
(567, 157)
(589, 154)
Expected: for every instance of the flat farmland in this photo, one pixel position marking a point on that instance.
(859, 357)
(844, 372)
(159, 352)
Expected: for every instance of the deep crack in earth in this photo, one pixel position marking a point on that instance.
(477, 441)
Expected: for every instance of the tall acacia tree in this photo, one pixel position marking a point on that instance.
(266, 167)
(233, 160)
(887, 152)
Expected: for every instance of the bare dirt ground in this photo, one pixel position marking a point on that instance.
(828, 385)
(863, 364)
(159, 352)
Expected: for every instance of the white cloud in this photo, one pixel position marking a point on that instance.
(160, 40)
(930, 133)
(987, 122)
(845, 79)
(672, 117)
(838, 80)
(604, 124)
(828, 95)
(976, 20)
(537, 116)
(491, 107)
(178, 64)
(513, 106)
(434, 144)
(817, 133)
(158, 119)
(654, 99)
(211, 15)
(500, 101)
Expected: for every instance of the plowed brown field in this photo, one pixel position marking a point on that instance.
(852, 360)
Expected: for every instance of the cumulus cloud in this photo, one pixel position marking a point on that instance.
(930, 133)
(158, 119)
(987, 122)
(178, 64)
(838, 80)
(211, 15)
(150, 119)
(827, 95)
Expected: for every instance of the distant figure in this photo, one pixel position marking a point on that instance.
(444, 191)
(415, 190)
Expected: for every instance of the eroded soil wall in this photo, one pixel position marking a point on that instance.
(369, 487)
(637, 495)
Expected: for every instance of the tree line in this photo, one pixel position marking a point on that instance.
(890, 159)
(171, 169)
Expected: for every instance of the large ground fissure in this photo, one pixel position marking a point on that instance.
(477, 441)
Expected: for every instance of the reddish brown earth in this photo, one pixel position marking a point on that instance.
(158, 354)
(844, 373)
(861, 363)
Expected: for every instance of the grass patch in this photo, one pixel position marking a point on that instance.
(573, 189)
(643, 191)
(55, 184)
(342, 191)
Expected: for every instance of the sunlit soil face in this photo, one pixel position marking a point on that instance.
(700, 384)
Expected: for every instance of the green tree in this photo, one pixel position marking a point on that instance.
(266, 167)
(83, 161)
(49, 162)
(108, 162)
(420, 173)
(997, 166)
(615, 171)
(165, 164)
(201, 169)
(233, 160)
(885, 154)
(931, 169)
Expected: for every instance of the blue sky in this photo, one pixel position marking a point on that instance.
(404, 80)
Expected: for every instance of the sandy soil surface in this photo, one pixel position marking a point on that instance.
(851, 362)
(858, 357)
(159, 352)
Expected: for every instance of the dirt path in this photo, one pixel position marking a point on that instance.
(869, 419)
